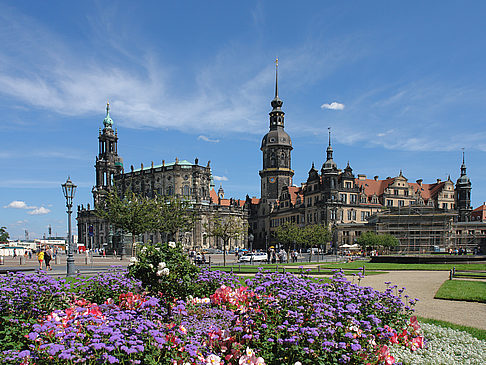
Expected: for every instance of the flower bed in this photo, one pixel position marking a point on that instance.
(273, 319)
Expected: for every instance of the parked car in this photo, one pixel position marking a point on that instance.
(253, 257)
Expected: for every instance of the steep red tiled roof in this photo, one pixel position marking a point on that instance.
(480, 208)
(224, 202)
(255, 201)
(213, 195)
(294, 192)
(372, 186)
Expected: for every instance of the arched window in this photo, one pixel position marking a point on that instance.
(186, 190)
(170, 190)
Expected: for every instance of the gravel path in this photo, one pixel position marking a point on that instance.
(423, 285)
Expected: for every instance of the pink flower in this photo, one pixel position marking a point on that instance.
(417, 343)
(250, 358)
(213, 360)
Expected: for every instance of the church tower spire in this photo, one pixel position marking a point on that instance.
(276, 147)
(463, 194)
(108, 163)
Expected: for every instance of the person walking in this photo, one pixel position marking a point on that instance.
(40, 257)
(48, 257)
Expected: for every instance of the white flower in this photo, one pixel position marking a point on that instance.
(298, 363)
(172, 244)
(161, 265)
(165, 271)
(143, 249)
(213, 360)
(151, 266)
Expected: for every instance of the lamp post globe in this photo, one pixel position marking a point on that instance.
(69, 189)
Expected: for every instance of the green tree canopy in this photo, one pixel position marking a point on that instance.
(226, 228)
(173, 215)
(4, 236)
(132, 213)
(371, 240)
(315, 235)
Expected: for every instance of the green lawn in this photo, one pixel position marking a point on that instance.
(392, 266)
(248, 269)
(476, 332)
(466, 290)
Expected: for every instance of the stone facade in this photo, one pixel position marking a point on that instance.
(424, 215)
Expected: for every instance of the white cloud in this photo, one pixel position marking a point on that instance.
(207, 139)
(38, 211)
(333, 106)
(18, 204)
(220, 178)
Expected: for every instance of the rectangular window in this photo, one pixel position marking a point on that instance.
(363, 216)
(389, 203)
(348, 185)
(349, 215)
(354, 198)
(401, 203)
(406, 192)
(444, 205)
(395, 192)
(333, 215)
(342, 197)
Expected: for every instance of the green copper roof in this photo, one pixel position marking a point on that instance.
(183, 163)
(107, 122)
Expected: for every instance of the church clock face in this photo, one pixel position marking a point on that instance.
(271, 180)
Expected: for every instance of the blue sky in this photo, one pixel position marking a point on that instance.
(401, 84)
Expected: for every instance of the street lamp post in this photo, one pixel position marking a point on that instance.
(250, 241)
(68, 189)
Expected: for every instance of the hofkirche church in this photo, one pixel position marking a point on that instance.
(423, 216)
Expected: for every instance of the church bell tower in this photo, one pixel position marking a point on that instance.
(276, 147)
(108, 163)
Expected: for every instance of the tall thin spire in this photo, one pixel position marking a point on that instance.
(276, 78)
(329, 130)
(463, 155)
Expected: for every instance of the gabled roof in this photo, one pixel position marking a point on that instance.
(481, 208)
(294, 192)
(372, 186)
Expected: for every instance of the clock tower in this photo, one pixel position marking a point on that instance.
(276, 148)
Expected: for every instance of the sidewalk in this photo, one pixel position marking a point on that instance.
(423, 285)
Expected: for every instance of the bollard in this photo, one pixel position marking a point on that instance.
(209, 263)
(450, 275)
(21, 260)
(453, 271)
(363, 270)
(239, 268)
(318, 269)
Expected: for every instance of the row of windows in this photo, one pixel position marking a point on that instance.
(292, 219)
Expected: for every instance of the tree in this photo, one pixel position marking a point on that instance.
(287, 234)
(173, 215)
(132, 213)
(225, 227)
(315, 235)
(371, 241)
(4, 236)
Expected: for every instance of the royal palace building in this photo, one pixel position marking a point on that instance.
(424, 217)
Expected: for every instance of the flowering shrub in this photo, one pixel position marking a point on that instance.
(274, 319)
(164, 268)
